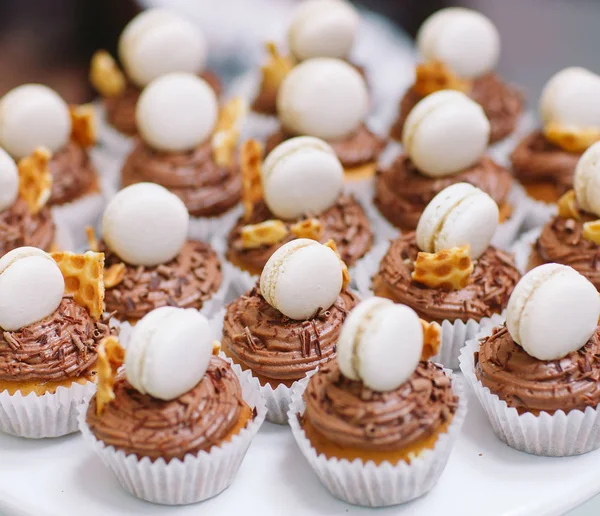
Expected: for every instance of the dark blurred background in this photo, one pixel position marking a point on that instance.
(51, 41)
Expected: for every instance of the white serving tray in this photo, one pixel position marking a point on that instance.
(62, 477)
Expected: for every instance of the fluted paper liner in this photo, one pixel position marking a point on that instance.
(109, 138)
(195, 478)
(206, 228)
(553, 435)
(524, 247)
(378, 486)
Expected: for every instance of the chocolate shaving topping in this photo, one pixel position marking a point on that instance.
(73, 174)
(18, 228)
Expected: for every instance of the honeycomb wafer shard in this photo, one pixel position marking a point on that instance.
(432, 338)
(111, 357)
(216, 347)
(83, 124)
(105, 75)
(308, 228)
(571, 139)
(251, 161)
(84, 279)
(591, 231)
(35, 179)
(268, 232)
(345, 273)
(448, 269)
(275, 69)
(432, 76)
(567, 206)
(92, 239)
(114, 275)
(226, 135)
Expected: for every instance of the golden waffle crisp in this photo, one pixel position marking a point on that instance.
(268, 232)
(105, 75)
(92, 239)
(567, 206)
(275, 69)
(345, 273)
(434, 76)
(83, 124)
(309, 228)
(35, 179)
(251, 160)
(111, 356)
(114, 275)
(569, 138)
(591, 231)
(432, 338)
(448, 269)
(227, 132)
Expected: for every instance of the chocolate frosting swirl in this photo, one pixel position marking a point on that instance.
(352, 415)
(532, 385)
(188, 280)
(19, 228)
(206, 188)
(61, 346)
(120, 110)
(501, 102)
(402, 192)
(73, 174)
(561, 241)
(537, 159)
(345, 222)
(273, 346)
(358, 149)
(491, 284)
(148, 427)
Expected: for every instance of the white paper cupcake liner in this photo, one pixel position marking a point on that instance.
(109, 138)
(523, 247)
(76, 215)
(207, 228)
(50, 415)
(557, 435)
(538, 213)
(63, 240)
(507, 233)
(196, 478)
(500, 151)
(378, 486)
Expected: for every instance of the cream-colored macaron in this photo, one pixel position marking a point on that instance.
(9, 180)
(31, 287)
(552, 311)
(301, 176)
(445, 133)
(587, 180)
(157, 42)
(465, 40)
(323, 28)
(459, 215)
(145, 224)
(168, 352)
(31, 116)
(380, 344)
(301, 277)
(570, 98)
(323, 97)
(176, 112)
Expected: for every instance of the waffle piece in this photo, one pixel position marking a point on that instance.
(345, 273)
(567, 206)
(591, 231)
(227, 132)
(434, 76)
(432, 338)
(275, 69)
(111, 357)
(83, 125)
(105, 75)
(569, 138)
(35, 179)
(308, 228)
(268, 232)
(252, 192)
(448, 269)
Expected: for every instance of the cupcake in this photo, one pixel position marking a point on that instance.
(290, 324)
(447, 271)
(154, 43)
(538, 377)
(51, 323)
(193, 157)
(377, 424)
(573, 236)
(150, 262)
(282, 202)
(460, 48)
(544, 162)
(174, 425)
(445, 138)
(35, 116)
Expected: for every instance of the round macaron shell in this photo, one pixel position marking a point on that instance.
(33, 116)
(176, 112)
(323, 97)
(145, 224)
(9, 180)
(587, 180)
(431, 28)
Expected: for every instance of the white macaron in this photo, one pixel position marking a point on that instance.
(301, 176)
(323, 28)
(301, 277)
(145, 224)
(459, 215)
(176, 112)
(570, 98)
(31, 287)
(168, 352)
(552, 311)
(9, 180)
(465, 40)
(587, 180)
(445, 133)
(158, 42)
(323, 97)
(31, 116)
(380, 344)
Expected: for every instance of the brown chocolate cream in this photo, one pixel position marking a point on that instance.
(73, 174)
(532, 385)
(19, 228)
(61, 346)
(206, 188)
(561, 241)
(354, 416)
(402, 192)
(275, 347)
(187, 281)
(148, 427)
(501, 102)
(491, 284)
